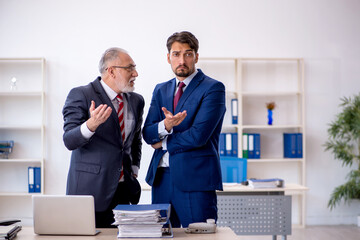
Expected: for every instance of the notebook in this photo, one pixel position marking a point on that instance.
(64, 215)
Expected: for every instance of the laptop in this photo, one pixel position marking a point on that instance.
(64, 215)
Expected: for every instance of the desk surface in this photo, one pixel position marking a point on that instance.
(241, 188)
(27, 233)
(289, 187)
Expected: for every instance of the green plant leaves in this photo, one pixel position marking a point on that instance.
(344, 143)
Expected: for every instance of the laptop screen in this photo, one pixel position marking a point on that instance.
(64, 214)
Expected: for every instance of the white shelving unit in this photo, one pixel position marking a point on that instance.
(22, 117)
(255, 82)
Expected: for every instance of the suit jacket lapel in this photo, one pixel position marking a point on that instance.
(105, 100)
(189, 89)
(169, 101)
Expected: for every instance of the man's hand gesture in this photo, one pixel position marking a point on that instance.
(171, 120)
(97, 116)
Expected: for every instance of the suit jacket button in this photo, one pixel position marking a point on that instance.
(119, 169)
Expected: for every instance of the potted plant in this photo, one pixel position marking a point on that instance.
(344, 143)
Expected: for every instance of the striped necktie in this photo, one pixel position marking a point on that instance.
(120, 114)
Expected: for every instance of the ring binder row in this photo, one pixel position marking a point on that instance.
(34, 179)
(250, 145)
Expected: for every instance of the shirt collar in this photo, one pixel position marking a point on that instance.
(188, 79)
(109, 92)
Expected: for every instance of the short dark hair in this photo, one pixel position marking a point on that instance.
(183, 37)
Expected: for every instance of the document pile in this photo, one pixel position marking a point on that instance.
(148, 220)
(266, 183)
(9, 232)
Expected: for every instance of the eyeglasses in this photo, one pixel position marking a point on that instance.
(129, 68)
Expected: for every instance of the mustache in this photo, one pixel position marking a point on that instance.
(183, 65)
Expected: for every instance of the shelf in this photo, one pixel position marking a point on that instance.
(18, 127)
(18, 194)
(274, 160)
(21, 160)
(256, 82)
(271, 126)
(275, 94)
(21, 94)
(22, 111)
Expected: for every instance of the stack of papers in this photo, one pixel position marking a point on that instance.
(9, 232)
(266, 183)
(142, 220)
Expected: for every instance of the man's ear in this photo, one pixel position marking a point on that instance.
(110, 71)
(168, 58)
(196, 57)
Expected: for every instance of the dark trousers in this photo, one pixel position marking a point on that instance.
(186, 207)
(106, 218)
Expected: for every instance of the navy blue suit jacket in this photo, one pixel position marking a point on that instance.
(96, 163)
(194, 144)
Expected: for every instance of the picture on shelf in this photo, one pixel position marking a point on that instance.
(6, 148)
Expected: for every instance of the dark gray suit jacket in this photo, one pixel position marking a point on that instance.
(96, 163)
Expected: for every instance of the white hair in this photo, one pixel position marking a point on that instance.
(109, 55)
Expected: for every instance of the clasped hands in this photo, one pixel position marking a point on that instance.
(170, 121)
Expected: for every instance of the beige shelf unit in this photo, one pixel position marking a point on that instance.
(22, 118)
(254, 82)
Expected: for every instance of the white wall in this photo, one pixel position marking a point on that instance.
(71, 35)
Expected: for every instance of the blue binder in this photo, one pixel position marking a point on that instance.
(234, 111)
(31, 179)
(257, 147)
(37, 179)
(228, 144)
(222, 144)
(290, 145)
(299, 147)
(234, 145)
(251, 145)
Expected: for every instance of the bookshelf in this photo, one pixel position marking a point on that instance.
(255, 82)
(22, 116)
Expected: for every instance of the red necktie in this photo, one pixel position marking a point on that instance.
(120, 114)
(178, 94)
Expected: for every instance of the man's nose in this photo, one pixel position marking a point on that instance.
(182, 59)
(135, 73)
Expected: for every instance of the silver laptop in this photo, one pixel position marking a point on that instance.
(64, 215)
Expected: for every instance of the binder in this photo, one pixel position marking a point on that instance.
(245, 145)
(163, 207)
(299, 148)
(234, 145)
(234, 111)
(251, 145)
(228, 144)
(290, 145)
(31, 179)
(37, 179)
(256, 145)
(222, 144)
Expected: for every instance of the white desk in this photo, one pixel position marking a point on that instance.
(27, 233)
